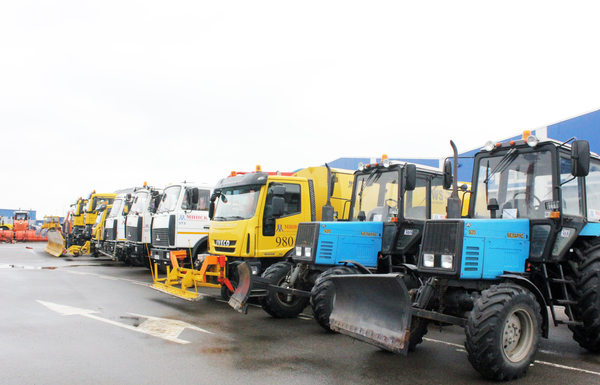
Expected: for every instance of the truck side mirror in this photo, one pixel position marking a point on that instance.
(102, 207)
(278, 204)
(580, 158)
(447, 175)
(195, 196)
(211, 209)
(411, 177)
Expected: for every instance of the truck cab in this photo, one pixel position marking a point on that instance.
(138, 224)
(114, 228)
(181, 222)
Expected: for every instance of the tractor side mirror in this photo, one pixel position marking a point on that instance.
(580, 158)
(411, 177)
(447, 175)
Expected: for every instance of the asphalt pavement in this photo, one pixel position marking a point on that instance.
(91, 320)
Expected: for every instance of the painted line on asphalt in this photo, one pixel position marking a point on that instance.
(460, 348)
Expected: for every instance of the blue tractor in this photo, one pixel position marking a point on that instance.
(530, 242)
(389, 205)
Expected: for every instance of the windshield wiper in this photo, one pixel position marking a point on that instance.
(510, 157)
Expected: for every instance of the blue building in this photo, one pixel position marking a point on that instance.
(586, 126)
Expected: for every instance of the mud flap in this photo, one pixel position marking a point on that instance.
(56, 243)
(373, 308)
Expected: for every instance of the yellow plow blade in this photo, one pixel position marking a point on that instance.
(183, 283)
(56, 243)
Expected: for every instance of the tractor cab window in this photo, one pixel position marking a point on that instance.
(236, 203)
(375, 196)
(170, 198)
(139, 202)
(116, 208)
(21, 217)
(592, 182)
(521, 183)
(415, 202)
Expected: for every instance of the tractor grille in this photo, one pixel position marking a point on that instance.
(440, 237)
(307, 234)
(163, 237)
(472, 258)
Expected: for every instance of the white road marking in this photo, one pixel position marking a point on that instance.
(460, 348)
(158, 327)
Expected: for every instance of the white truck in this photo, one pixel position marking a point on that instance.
(181, 223)
(114, 229)
(138, 224)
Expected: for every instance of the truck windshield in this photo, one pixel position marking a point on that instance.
(170, 198)
(522, 185)
(21, 217)
(114, 211)
(139, 202)
(237, 203)
(376, 196)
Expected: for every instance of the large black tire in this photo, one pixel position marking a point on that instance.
(418, 329)
(503, 332)
(323, 294)
(281, 305)
(587, 310)
(225, 292)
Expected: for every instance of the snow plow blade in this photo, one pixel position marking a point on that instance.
(240, 296)
(56, 243)
(373, 308)
(183, 283)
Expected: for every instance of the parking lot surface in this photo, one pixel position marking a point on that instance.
(93, 321)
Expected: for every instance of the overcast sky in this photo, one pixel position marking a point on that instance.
(105, 95)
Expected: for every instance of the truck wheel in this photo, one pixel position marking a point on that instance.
(226, 293)
(503, 332)
(587, 310)
(281, 305)
(323, 293)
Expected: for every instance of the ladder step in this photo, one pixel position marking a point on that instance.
(575, 323)
(564, 302)
(560, 280)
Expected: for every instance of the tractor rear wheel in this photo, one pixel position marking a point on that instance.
(323, 294)
(587, 310)
(280, 305)
(503, 332)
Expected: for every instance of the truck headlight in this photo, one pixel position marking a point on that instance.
(298, 251)
(447, 261)
(428, 260)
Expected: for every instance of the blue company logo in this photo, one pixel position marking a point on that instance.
(279, 228)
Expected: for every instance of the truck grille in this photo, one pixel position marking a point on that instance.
(163, 237)
(110, 234)
(133, 234)
(440, 237)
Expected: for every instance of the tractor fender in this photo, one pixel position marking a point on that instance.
(362, 268)
(538, 296)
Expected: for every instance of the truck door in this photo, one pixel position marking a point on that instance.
(279, 234)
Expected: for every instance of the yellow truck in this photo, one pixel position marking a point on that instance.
(81, 244)
(254, 219)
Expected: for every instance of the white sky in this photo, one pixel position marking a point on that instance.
(108, 94)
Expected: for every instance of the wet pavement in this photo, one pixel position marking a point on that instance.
(89, 321)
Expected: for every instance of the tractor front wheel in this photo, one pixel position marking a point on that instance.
(280, 305)
(323, 294)
(503, 332)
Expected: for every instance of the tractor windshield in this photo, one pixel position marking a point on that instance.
(375, 196)
(237, 203)
(520, 182)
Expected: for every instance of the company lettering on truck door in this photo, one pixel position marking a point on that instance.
(279, 238)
